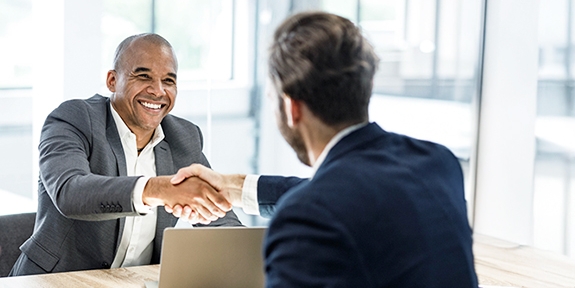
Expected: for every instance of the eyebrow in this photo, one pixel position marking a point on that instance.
(141, 69)
(144, 69)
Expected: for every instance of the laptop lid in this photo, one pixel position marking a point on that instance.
(212, 257)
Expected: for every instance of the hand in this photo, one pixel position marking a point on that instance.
(187, 213)
(230, 185)
(193, 192)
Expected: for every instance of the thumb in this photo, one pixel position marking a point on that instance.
(184, 173)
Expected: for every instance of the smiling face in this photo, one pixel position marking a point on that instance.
(144, 85)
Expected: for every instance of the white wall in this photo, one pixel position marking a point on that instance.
(506, 143)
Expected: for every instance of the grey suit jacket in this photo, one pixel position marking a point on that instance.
(81, 200)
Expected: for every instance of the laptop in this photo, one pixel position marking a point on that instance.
(211, 257)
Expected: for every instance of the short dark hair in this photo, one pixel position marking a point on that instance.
(323, 60)
(150, 37)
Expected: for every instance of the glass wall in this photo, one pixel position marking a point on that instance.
(428, 79)
(426, 87)
(554, 182)
(16, 178)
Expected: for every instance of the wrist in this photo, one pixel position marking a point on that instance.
(237, 181)
(151, 196)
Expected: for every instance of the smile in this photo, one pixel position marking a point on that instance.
(151, 105)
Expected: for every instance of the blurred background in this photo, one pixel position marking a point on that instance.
(431, 85)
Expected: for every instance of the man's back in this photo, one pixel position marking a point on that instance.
(383, 210)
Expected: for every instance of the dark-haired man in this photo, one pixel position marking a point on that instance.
(100, 191)
(381, 209)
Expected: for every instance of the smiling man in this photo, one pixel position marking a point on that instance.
(100, 195)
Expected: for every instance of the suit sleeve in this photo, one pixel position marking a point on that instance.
(307, 247)
(65, 169)
(270, 189)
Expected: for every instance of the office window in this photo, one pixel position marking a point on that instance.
(121, 19)
(15, 28)
(201, 32)
(16, 178)
(429, 57)
(554, 175)
(427, 79)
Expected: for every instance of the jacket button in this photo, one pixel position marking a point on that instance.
(105, 265)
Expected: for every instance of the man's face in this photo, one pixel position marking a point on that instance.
(292, 136)
(144, 86)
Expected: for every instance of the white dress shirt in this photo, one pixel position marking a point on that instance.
(136, 245)
(250, 188)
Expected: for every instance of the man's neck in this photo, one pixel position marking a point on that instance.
(332, 142)
(143, 138)
(317, 135)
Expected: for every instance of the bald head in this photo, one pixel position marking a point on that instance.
(144, 38)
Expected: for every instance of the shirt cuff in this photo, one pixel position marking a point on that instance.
(137, 193)
(250, 195)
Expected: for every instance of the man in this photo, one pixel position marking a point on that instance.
(382, 209)
(100, 161)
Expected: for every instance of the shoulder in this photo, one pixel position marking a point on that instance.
(81, 112)
(417, 152)
(416, 144)
(174, 125)
(79, 107)
(309, 199)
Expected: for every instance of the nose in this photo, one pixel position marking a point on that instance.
(156, 88)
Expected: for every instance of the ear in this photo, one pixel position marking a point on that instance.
(111, 80)
(292, 110)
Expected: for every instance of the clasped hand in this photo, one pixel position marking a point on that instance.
(212, 194)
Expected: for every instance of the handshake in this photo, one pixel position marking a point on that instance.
(196, 193)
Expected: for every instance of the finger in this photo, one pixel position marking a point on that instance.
(184, 173)
(193, 215)
(219, 204)
(206, 214)
(186, 212)
(215, 202)
(214, 178)
(203, 220)
(194, 219)
(177, 210)
(168, 209)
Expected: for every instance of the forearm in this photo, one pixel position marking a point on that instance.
(92, 197)
(78, 169)
(155, 191)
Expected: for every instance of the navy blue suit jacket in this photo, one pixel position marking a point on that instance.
(383, 210)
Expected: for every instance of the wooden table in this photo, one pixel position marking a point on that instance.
(497, 262)
(503, 263)
(119, 277)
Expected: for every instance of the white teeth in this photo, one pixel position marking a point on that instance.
(151, 106)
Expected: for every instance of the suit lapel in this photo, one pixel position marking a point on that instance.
(164, 166)
(164, 163)
(116, 145)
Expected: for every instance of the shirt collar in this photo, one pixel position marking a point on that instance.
(125, 132)
(332, 143)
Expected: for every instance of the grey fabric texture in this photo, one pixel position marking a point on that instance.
(14, 230)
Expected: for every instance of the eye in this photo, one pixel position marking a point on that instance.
(170, 81)
(144, 76)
